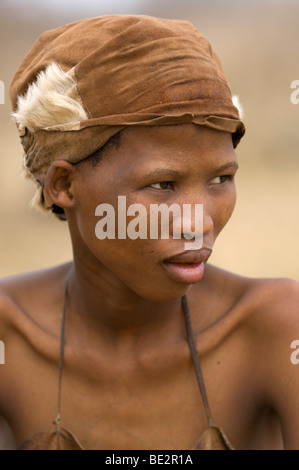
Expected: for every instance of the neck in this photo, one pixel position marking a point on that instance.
(103, 305)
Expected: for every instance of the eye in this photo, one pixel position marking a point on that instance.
(162, 185)
(221, 179)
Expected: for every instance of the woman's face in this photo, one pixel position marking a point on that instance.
(181, 164)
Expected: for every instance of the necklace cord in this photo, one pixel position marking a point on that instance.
(61, 355)
(191, 343)
(194, 355)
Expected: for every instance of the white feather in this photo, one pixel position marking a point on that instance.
(236, 102)
(47, 102)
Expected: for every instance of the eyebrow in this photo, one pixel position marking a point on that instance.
(170, 173)
(163, 172)
(233, 164)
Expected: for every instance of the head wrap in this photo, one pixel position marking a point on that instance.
(82, 83)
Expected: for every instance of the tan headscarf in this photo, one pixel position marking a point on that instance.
(82, 83)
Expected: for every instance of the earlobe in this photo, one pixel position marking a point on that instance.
(58, 184)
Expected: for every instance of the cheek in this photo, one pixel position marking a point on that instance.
(224, 208)
(134, 264)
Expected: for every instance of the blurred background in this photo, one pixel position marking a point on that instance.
(258, 44)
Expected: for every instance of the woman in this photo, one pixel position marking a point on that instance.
(108, 345)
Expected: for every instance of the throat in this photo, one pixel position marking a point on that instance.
(121, 319)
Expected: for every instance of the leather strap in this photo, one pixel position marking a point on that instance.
(195, 359)
(191, 343)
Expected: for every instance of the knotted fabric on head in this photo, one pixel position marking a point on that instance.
(84, 82)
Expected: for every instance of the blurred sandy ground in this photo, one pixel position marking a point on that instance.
(258, 43)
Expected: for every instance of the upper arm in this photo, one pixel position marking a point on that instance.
(276, 326)
(6, 435)
(5, 308)
(7, 440)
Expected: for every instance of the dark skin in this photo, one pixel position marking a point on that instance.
(128, 380)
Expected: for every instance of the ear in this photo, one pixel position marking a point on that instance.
(58, 184)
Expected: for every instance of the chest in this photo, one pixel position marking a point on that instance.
(155, 403)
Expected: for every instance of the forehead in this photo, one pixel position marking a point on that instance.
(175, 147)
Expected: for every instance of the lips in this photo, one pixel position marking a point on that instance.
(187, 267)
(191, 256)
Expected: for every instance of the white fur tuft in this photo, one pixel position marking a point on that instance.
(236, 102)
(49, 102)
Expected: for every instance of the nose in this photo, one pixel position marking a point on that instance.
(194, 223)
(200, 197)
(208, 224)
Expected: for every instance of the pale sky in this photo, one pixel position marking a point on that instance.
(89, 7)
(36, 8)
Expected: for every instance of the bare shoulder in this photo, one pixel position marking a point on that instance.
(266, 300)
(27, 297)
(274, 338)
(253, 329)
(262, 308)
(30, 319)
(273, 304)
(271, 317)
(273, 322)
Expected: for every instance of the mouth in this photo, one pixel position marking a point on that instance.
(187, 267)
